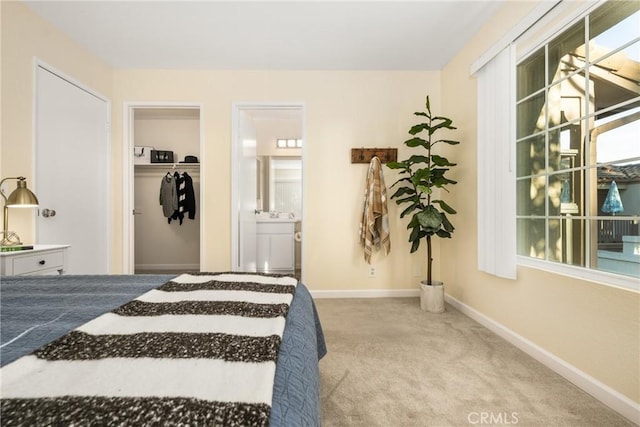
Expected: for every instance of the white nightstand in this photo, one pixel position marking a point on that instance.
(41, 259)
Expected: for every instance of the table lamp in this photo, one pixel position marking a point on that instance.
(21, 197)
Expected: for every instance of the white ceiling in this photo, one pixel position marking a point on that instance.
(295, 35)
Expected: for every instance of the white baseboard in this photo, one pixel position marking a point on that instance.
(168, 267)
(368, 293)
(613, 399)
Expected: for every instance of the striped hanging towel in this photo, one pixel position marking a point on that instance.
(374, 224)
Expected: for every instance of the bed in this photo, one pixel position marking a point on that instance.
(43, 314)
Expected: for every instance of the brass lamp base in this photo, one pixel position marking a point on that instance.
(9, 238)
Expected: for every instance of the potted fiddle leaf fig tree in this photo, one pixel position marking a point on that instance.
(419, 176)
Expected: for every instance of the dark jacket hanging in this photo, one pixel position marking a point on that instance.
(190, 196)
(186, 197)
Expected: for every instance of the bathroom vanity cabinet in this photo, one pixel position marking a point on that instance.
(275, 251)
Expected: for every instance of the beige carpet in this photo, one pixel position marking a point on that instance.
(391, 364)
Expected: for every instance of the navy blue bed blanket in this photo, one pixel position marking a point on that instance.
(39, 309)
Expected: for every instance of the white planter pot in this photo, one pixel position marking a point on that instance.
(432, 297)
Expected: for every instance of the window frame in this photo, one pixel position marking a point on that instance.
(529, 43)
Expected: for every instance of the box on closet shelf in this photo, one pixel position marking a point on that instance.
(161, 156)
(142, 155)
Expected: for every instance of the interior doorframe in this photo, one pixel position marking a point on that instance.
(235, 120)
(128, 237)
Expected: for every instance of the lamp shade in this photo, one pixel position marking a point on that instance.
(22, 196)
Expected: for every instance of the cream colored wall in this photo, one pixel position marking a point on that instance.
(180, 135)
(268, 131)
(594, 327)
(344, 109)
(24, 37)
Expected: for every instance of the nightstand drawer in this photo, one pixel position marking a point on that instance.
(34, 263)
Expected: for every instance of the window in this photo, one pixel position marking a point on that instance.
(578, 144)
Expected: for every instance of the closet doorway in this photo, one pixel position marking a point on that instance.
(165, 146)
(267, 182)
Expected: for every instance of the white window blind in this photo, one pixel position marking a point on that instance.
(496, 165)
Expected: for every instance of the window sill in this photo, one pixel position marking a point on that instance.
(596, 276)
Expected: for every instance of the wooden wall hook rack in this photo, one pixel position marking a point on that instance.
(364, 155)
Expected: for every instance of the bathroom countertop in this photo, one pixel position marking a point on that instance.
(258, 219)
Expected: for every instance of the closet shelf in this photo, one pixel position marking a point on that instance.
(155, 166)
(160, 169)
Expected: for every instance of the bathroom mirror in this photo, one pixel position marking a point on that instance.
(280, 184)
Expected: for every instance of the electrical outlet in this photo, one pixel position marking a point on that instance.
(417, 270)
(372, 271)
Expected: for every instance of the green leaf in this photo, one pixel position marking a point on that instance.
(415, 142)
(441, 182)
(418, 128)
(427, 105)
(443, 233)
(401, 181)
(415, 234)
(415, 245)
(447, 225)
(409, 210)
(403, 190)
(430, 218)
(441, 161)
(420, 175)
(445, 123)
(430, 231)
(445, 207)
(417, 159)
(407, 199)
(446, 120)
(420, 113)
(397, 165)
(424, 189)
(414, 222)
(448, 141)
(438, 172)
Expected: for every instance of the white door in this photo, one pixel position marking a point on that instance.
(72, 149)
(246, 185)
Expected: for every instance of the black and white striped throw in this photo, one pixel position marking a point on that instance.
(199, 350)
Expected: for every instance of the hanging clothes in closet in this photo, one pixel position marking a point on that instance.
(168, 195)
(185, 199)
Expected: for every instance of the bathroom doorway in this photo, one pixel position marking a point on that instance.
(267, 182)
